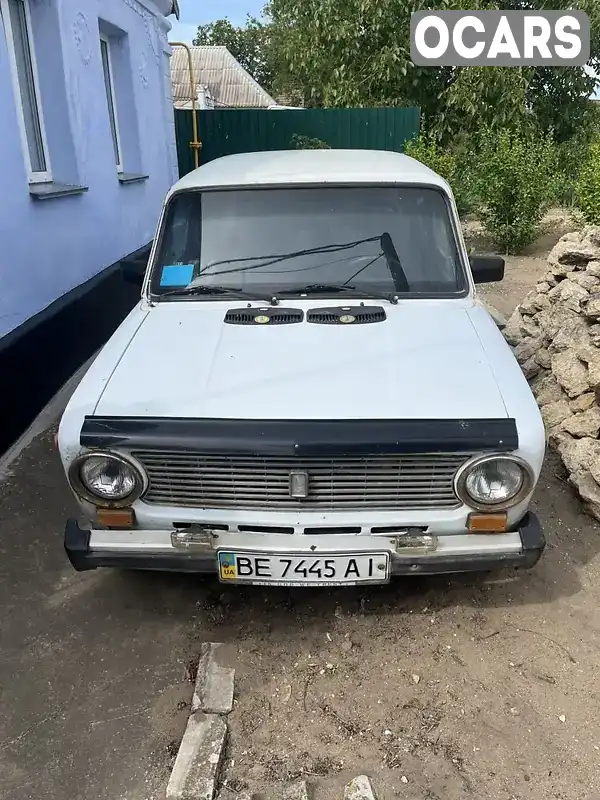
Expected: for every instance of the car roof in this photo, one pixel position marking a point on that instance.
(284, 167)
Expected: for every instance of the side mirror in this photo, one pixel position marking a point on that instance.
(133, 272)
(487, 269)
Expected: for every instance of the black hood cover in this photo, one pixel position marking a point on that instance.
(346, 315)
(264, 316)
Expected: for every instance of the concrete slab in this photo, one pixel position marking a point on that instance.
(196, 768)
(359, 788)
(214, 683)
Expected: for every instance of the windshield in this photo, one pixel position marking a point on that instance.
(280, 241)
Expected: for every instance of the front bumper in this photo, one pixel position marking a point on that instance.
(152, 550)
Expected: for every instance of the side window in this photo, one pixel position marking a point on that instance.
(180, 238)
(18, 29)
(109, 86)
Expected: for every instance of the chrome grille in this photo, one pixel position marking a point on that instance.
(371, 482)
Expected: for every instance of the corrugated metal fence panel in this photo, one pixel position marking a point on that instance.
(226, 131)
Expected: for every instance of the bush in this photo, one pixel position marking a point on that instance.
(308, 143)
(514, 182)
(587, 189)
(571, 156)
(426, 149)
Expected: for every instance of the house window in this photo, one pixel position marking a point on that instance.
(110, 99)
(17, 25)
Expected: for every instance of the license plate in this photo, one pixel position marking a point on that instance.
(303, 570)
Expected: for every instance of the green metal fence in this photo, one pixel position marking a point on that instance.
(226, 131)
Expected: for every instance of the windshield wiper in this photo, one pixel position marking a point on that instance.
(268, 260)
(388, 251)
(189, 291)
(326, 288)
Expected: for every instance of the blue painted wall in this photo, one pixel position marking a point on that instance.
(48, 247)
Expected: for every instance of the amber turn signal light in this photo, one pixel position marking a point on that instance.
(487, 523)
(115, 517)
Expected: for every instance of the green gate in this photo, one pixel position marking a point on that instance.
(226, 131)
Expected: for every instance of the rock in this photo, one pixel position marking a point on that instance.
(589, 491)
(554, 413)
(550, 279)
(584, 424)
(590, 355)
(530, 326)
(591, 309)
(570, 295)
(512, 330)
(594, 465)
(214, 683)
(551, 321)
(526, 349)
(571, 236)
(562, 718)
(583, 402)
(585, 279)
(359, 788)
(570, 373)
(546, 390)
(198, 761)
(296, 791)
(578, 455)
(594, 334)
(572, 255)
(347, 645)
(416, 679)
(531, 368)
(573, 334)
(593, 268)
(543, 287)
(591, 234)
(535, 302)
(543, 358)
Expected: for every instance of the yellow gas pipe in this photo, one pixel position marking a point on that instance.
(195, 144)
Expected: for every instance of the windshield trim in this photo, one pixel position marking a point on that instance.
(152, 273)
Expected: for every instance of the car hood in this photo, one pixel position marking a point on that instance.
(425, 361)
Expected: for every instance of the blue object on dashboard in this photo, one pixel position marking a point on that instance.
(176, 274)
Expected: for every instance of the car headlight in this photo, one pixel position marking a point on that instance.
(107, 479)
(494, 482)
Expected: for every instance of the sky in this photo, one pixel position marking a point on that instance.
(197, 12)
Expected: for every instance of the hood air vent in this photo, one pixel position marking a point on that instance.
(349, 315)
(263, 316)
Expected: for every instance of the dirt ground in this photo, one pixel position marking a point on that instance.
(438, 689)
(522, 271)
(444, 688)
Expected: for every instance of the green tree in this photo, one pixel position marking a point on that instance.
(514, 185)
(249, 43)
(357, 53)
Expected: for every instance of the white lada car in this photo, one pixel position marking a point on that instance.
(309, 391)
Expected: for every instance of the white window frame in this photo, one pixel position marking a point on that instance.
(119, 153)
(46, 175)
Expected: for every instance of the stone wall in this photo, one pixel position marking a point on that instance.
(555, 334)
